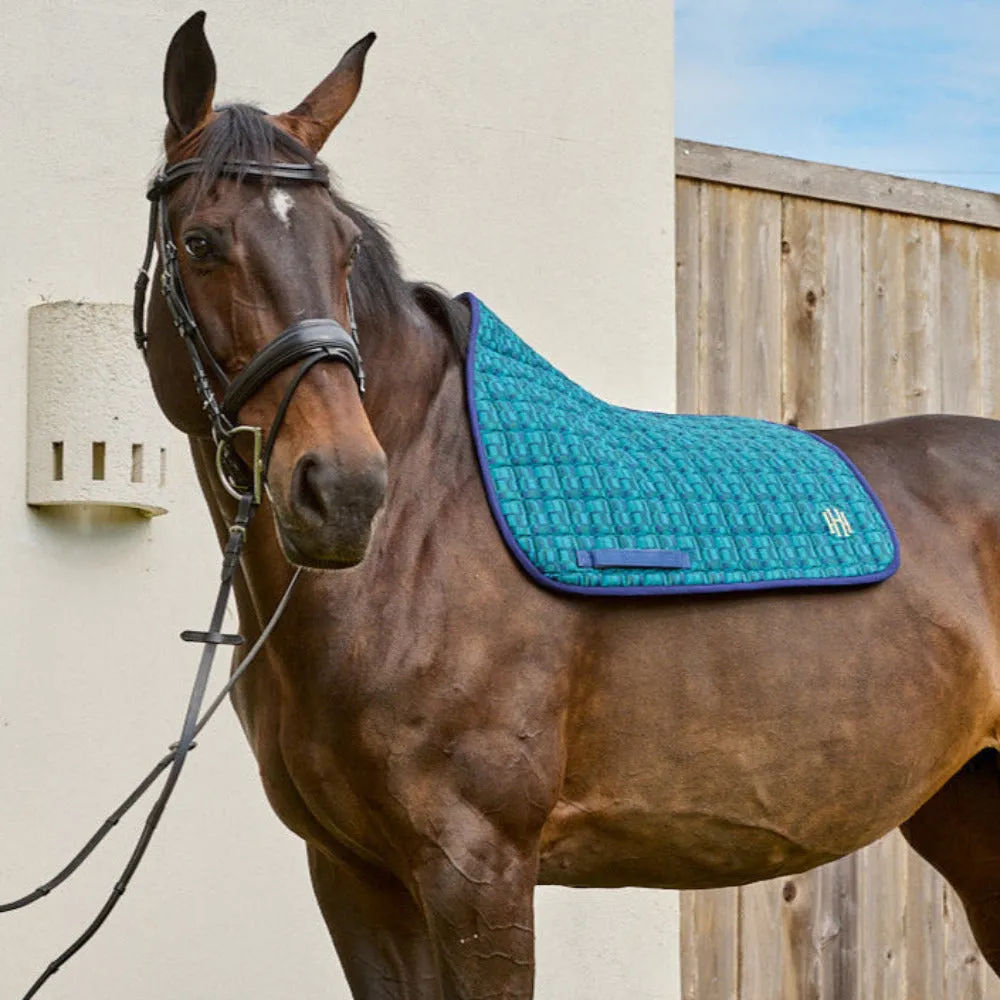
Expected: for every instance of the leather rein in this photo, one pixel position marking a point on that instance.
(306, 343)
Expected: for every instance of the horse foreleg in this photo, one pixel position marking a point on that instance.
(477, 892)
(958, 832)
(378, 930)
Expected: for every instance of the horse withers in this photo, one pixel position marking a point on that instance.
(443, 733)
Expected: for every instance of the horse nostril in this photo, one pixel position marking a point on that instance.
(312, 485)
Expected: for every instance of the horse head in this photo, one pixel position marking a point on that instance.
(261, 248)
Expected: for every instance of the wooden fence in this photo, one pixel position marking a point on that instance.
(824, 297)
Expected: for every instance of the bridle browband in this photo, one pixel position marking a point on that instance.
(309, 341)
(306, 343)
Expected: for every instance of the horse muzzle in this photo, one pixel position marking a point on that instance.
(325, 520)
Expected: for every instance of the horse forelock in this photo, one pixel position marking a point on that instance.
(238, 133)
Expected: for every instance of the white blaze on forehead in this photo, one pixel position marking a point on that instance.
(281, 203)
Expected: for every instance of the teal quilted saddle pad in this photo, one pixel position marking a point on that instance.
(597, 499)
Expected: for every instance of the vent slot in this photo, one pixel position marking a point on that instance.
(137, 463)
(98, 454)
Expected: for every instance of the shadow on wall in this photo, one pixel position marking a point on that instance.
(106, 523)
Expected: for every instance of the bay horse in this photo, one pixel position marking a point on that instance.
(442, 733)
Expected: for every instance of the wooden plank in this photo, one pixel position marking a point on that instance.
(848, 971)
(799, 975)
(710, 954)
(881, 867)
(819, 935)
(736, 370)
(902, 316)
(761, 941)
(882, 919)
(884, 315)
(822, 960)
(739, 331)
(842, 342)
(924, 930)
(960, 316)
(822, 314)
(822, 323)
(964, 969)
(805, 179)
(802, 236)
(922, 342)
(992, 991)
(989, 322)
(840, 958)
(806, 937)
(688, 225)
(758, 391)
(719, 295)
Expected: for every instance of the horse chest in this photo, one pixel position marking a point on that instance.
(310, 790)
(306, 789)
(375, 770)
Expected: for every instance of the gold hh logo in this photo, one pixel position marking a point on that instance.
(837, 523)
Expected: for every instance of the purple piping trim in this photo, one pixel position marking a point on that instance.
(652, 591)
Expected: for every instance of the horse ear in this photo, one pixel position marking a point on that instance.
(317, 116)
(188, 77)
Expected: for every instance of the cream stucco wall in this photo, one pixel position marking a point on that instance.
(519, 149)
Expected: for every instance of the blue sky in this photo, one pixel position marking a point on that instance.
(910, 88)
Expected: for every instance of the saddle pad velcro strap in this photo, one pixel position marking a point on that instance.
(633, 559)
(301, 340)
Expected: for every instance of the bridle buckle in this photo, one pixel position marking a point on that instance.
(233, 488)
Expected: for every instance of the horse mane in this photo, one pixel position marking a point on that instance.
(241, 133)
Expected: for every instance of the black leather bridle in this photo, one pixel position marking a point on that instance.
(309, 341)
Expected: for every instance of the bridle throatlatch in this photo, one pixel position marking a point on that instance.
(306, 343)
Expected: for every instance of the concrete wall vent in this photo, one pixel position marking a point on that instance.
(95, 434)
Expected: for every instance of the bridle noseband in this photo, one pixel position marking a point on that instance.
(309, 341)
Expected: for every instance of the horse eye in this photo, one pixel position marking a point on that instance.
(352, 256)
(198, 247)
